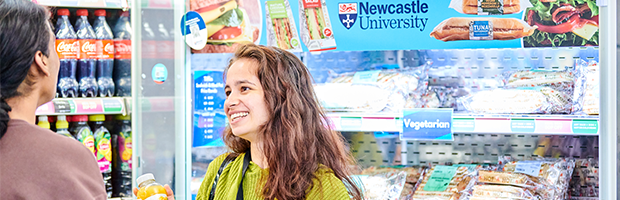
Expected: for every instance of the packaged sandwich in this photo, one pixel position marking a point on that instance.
(281, 30)
(506, 101)
(394, 89)
(316, 28)
(383, 186)
(489, 7)
(552, 175)
(501, 192)
(564, 89)
(460, 28)
(585, 181)
(228, 22)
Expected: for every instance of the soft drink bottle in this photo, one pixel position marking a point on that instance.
(67, 48)
(105, 50)
(149, 189)
(82, 132)
(62, 127)
(43, 122)
(122, 150)
(103, 149)
(87, 59)
(122, 55)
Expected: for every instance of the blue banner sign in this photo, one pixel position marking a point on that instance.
(427, 124)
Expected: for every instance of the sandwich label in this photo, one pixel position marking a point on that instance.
(277, 9)
(490, 7)
(480, 30)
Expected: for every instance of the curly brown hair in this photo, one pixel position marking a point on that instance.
(297, 135)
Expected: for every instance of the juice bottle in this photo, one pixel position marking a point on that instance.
(103, 149)
(62, 126)
(83, 133)
(121, 157)
(149, 189)
(43, 122)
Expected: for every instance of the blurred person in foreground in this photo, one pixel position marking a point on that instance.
(36, 163)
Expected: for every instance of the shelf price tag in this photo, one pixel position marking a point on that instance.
(427, 124)
(585, 126)
(89, 106)
(112, 105)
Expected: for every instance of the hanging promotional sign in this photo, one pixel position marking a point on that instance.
(399, 24)
(427, 124)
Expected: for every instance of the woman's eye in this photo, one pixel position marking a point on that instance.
(227, 93)
(245, 88)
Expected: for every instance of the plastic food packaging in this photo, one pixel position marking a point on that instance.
(500, 192)
(585, 181)
(383, 186)
(551, 176)
(316, 28)
(564, 89)
(506, 101)
(489, 7)
(378, 90)
(592, 94)
(281, 29)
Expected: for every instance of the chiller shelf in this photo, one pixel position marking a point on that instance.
(103, 4)
(473, 123)
(84, 106)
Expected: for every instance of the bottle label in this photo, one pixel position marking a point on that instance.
(125, 150)
(105, 49)
(157, 197)
(88, 49)
(104, 153)
(122, 49)
(67, 48)
(89, 142)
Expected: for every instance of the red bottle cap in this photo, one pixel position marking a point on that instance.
(100, 13)
(125, 14)
(82, 12)
(69, 118)
(80, 118)
(63, 12)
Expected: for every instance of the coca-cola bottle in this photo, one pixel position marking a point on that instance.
(122, 55)
(105, 51)
(67, 49)
(87, 58)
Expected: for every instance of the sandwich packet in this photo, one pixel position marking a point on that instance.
(383, 186)
(489, 7)
(551, 176)
(281, 31)
(592, 95)
(444, 183)
(316, 28)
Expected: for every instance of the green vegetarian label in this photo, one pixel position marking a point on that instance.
(440, 178)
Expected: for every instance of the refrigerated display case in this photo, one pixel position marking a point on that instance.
(176, 128)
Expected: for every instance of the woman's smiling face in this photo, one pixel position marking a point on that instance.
(245, 104)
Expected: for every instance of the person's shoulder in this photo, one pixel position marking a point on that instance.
(21, 132)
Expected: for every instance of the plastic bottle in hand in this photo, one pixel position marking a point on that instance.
(67, 48)
(149, 189)
(62, 126)
(122, 55)
(105, 51)
(87, 59)
(122, 150)
(103, 149)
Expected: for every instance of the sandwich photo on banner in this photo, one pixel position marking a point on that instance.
(562, 23)
(229, 23)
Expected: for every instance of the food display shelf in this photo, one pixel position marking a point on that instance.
(84, 106)
(472, 123)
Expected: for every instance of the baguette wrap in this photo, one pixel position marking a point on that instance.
(457, 28)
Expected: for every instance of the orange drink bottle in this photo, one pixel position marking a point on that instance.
(149, 189)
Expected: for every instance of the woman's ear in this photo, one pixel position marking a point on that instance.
(40, 65)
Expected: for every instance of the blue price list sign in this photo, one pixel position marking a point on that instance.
(209, 118)
(427, 124)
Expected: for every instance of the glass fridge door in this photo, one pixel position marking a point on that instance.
(158, 92)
